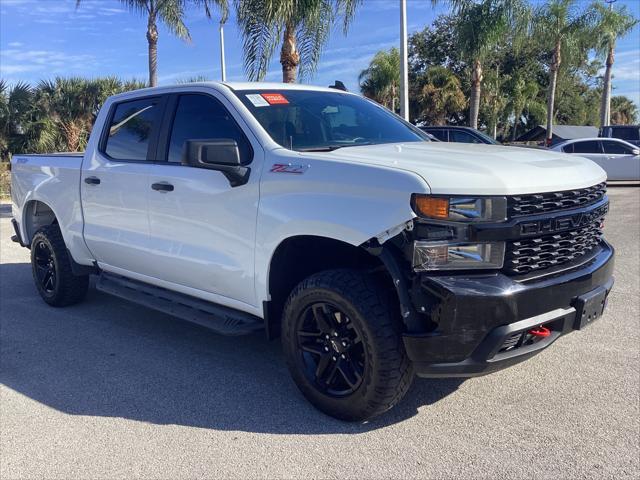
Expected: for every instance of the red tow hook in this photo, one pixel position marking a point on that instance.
(540, 331)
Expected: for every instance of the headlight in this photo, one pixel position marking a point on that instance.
(460, 209)
(457, 256)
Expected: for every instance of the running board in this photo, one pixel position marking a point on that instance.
(218, 318)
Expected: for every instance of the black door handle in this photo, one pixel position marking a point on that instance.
(162, 187)
(92, 180)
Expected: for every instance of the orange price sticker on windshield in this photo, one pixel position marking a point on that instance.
(274, 98)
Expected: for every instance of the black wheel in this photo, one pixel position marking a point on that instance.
(51, 267)
(342, 342)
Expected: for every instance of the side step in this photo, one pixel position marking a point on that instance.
(218, 318)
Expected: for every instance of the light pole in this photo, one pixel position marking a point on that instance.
(222, 65)
(404, 75)
(607, 107)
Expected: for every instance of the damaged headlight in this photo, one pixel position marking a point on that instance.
(457, 256)
(461, 209)
(444, 239)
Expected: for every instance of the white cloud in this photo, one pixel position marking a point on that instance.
(17, 60)
(15, 44)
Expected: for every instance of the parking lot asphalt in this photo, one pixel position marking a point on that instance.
(108, 389)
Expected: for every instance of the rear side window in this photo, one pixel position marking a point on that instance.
(626, 133)
(568, 148)
(130, 129)
(590, 146)
(463, 137)
(439, 134)
(615, 148)
(202, 117)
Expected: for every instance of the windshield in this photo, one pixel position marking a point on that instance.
(306, 120)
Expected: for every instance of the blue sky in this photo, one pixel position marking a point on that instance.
(44, 38)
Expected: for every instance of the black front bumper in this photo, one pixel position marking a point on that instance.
(477, 314)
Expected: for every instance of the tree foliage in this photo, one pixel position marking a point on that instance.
(516, 78)
(380, 81)
(55, 115)
(300, 27)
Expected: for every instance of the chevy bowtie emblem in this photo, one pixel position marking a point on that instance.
(288, 168)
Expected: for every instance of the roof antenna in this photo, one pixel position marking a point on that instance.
(338, 85)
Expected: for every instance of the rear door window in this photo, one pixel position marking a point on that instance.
(131, 127)
(589, 146)
(463, 137)
(615, 148)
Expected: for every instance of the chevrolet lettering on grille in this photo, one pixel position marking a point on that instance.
(568, 222)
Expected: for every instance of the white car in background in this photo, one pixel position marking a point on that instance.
(620, 159)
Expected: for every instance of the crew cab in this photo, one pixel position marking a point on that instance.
(319, 216)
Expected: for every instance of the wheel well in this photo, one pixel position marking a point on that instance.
(37, 215)
(298, 257)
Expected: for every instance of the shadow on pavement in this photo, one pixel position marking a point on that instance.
(110, 358)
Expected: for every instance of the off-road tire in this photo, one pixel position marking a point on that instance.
(387, 371)
(67, 289)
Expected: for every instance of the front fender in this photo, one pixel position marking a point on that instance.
(349, 202)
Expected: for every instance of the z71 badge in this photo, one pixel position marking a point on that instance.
(288, 168)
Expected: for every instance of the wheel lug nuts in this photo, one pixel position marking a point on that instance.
(326, 349)
(335, 334)
(327, 337)
(333, 358)
(343, 356)
(344, 344)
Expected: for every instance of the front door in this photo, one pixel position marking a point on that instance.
(114, 186)
(621, 162)
(202, 229)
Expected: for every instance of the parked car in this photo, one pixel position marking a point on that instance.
(457, 134)
(321, 217)
(620, 159)
(629, 133)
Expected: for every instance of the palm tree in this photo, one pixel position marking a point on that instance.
(564, 31)
(611, 24)
(523, 92)
(301, 27)
(623, 111)
(440, 97)
(380, 81)
(481, 25)
(169, 12)
(15, 110)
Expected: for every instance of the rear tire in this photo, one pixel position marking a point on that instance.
(51, 268)
(342, 341)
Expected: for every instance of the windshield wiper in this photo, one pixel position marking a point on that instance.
(331, 148)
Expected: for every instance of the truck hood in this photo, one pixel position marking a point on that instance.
(458, 168)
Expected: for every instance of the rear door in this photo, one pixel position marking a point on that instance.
(203, 230)
(621, 163)
(115, 182)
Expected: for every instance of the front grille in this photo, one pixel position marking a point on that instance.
(520, 205)
(546, 251)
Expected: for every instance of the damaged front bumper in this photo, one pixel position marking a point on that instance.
(484, 321)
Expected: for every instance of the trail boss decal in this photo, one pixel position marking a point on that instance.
(288, 168)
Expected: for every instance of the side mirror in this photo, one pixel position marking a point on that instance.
(220, 154)
(636, 151)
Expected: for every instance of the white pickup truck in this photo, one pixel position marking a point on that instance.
(373, 253)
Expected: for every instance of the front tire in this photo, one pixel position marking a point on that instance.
(51, 268)
(342, 342)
